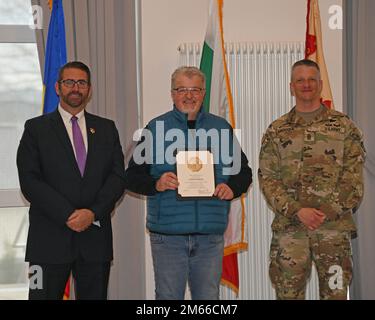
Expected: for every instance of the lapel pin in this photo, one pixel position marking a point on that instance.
(92, 130)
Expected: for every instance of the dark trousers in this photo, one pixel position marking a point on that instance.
(90, 279)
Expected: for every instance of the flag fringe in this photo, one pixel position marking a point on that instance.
(43, 97)
(307, 25)
(241, 245)
(243, 218)
(227, 81)
(230, 285)
(234, 248)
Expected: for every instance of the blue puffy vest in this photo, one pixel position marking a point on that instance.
(169, 215)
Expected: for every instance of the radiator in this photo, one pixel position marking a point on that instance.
(260, 76)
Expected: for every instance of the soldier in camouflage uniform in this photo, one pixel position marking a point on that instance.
(310, 171)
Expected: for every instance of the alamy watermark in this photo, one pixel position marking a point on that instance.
(35, 277)
(37, 12)
(335, 21)
(336, 281)
(161, 146)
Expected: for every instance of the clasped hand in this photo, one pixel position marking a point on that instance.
(80, 220)
(312, 218)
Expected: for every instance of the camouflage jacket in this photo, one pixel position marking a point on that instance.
(317, 165)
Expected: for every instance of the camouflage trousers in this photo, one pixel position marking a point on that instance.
(291, 257)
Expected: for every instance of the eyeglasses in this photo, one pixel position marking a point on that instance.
(193, 91)
(70, 83)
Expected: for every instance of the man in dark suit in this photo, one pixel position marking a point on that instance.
(71, 170)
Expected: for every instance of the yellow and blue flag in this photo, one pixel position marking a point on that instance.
(55, 55)
(55, 58)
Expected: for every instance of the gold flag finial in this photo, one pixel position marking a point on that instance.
(50, 4)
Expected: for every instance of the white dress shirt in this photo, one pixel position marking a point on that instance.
(66, 116)
(67, 119)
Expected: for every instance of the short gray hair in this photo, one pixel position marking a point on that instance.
(189, 72)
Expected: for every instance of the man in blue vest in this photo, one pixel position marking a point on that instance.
(187, 235)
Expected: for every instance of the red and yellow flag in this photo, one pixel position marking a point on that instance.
(67, 289)
(314, 48)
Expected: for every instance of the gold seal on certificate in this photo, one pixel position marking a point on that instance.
(195, 174)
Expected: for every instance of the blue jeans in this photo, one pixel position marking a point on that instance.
(178, 259)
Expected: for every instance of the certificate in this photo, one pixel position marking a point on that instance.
(195, 174)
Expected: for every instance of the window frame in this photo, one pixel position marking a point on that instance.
(15, 34)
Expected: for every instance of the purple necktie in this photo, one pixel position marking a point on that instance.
(79, 145)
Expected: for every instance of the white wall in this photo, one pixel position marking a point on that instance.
(168, 23)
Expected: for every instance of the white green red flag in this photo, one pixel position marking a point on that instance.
(219, 101)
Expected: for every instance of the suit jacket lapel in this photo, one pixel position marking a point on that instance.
(91, 141)
(60, 130)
